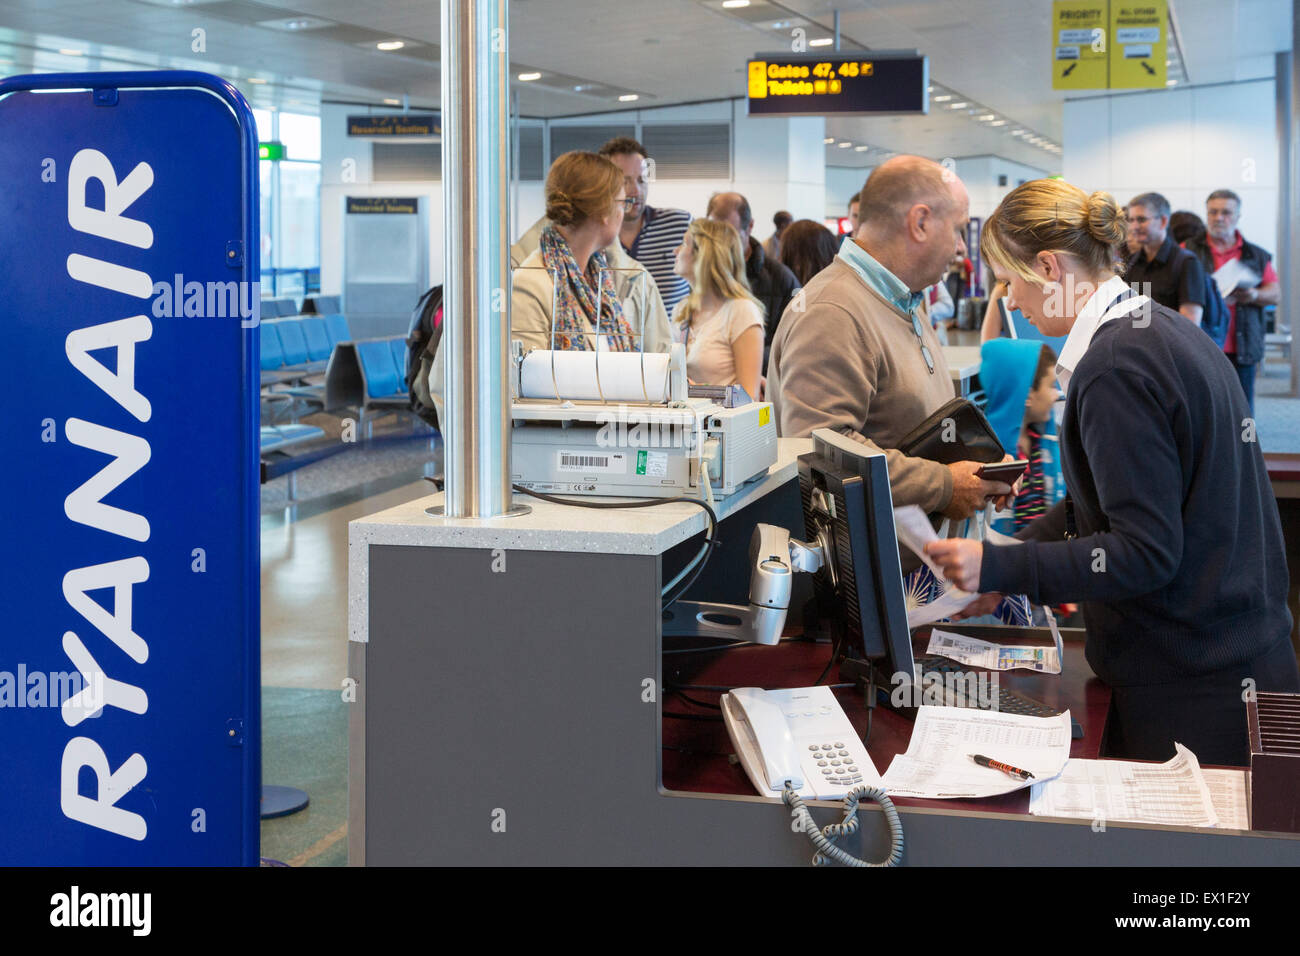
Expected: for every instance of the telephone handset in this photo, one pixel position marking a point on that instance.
(801, 735)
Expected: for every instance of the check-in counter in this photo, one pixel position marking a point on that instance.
(512, 689)
(1284, 474)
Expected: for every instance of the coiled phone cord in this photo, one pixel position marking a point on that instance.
(822, 838)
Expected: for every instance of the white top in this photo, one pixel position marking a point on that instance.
(709, 356)
(1089, 320)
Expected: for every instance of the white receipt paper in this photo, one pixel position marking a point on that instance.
(591, 376)
(938, 762)
(998, 657)
(1174, 793)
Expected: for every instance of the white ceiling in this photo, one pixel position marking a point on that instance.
(990, 52)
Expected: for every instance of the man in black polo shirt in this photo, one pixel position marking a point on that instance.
(1159, 268)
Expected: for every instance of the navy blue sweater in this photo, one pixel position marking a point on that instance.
(1179, 559)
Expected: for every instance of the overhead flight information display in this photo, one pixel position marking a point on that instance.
(838, 84)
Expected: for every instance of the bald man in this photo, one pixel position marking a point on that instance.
(855, 352)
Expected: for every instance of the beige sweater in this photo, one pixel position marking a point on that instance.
(849, 360)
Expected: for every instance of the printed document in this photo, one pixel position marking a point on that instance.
(938, 762)
(1234, 274)
(998, 657)
(1173, 793)
(1228, 793)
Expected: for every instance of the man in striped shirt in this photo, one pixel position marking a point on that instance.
(650, 236)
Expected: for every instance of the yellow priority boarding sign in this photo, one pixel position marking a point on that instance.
(1109, 44)
(1138, 35)
(1079, 44)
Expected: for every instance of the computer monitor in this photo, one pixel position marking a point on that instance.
(848, 508)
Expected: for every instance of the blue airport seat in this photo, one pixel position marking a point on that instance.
(400, 353)
(272, 352)
(325, 304)
(272, 308)
(279, 437)
(317, 334)
(287, 307)
(292, 341)
(337, 324)
(379, 371)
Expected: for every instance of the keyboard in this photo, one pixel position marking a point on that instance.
(972, 690)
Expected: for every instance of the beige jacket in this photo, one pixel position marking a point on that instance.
(849, 360)
(532, 300)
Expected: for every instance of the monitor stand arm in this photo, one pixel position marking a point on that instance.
(774, 558)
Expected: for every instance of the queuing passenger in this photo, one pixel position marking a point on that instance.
(649, 235)
(991, 326)
(1185, 227)
(941, 310)
(854, 205)
(572, 291)
(960, 270)
(720, 322)
(1019, 379)
(1160, 269)
(1131, 245)
(1191, 606)
(772, 244)
(857, 356)
(807, 247)
(772, 283)
(1224, 243)
(557, 288)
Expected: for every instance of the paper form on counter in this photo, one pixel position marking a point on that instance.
(1228, 793)
(998, 657)
(1173, 793)
(938, 761)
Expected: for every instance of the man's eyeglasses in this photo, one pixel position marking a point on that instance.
(925, 349)
(627, 203)
(1138, 220)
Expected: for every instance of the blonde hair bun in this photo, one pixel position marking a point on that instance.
(1103, 219)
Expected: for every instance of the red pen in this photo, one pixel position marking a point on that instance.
(998, 765)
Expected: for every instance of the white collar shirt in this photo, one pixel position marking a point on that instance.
(1091, 317)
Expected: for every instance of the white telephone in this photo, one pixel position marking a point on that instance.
(801, 735)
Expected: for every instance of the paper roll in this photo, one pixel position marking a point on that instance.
(573, 376)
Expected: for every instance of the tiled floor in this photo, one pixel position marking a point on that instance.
(304, 663)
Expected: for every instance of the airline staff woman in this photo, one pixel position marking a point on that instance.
(1171, 537)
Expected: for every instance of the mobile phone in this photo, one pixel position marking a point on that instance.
(1006, 472)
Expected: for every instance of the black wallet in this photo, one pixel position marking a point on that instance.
(957, 431)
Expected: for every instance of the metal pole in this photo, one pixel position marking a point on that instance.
(837, 31)
(1285, 196)
(1287, 307)
(476, 293)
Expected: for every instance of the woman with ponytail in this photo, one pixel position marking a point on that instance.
(1170, 536)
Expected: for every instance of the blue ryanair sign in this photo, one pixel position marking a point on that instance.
(129, 669)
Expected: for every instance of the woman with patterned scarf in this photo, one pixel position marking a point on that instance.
(566, 294)
(578, 289)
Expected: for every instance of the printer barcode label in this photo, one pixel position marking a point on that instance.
(592, 464)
